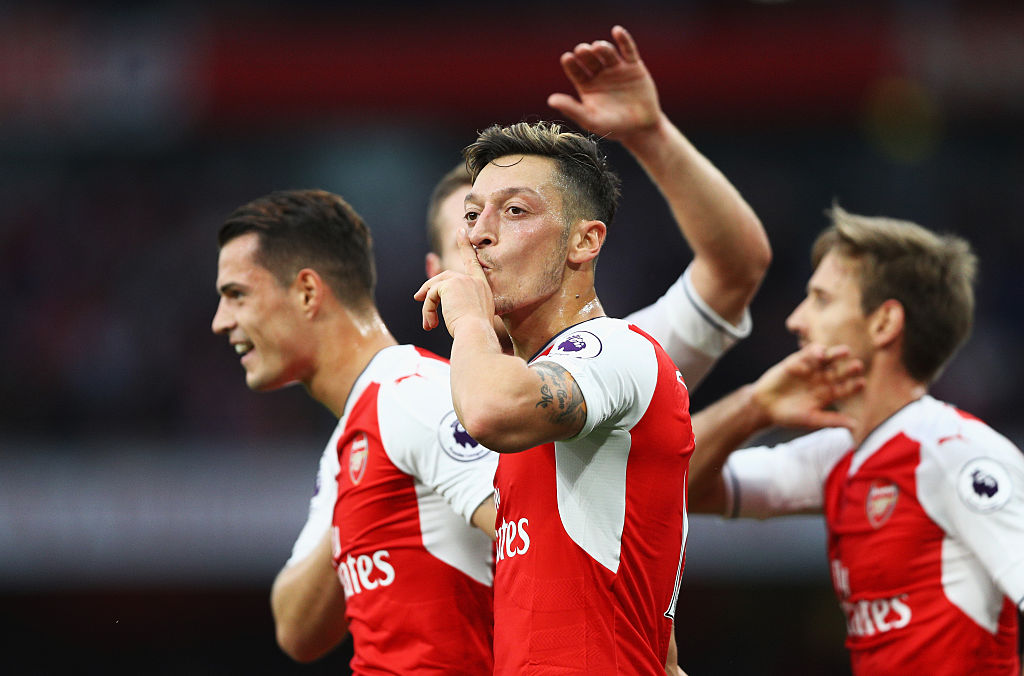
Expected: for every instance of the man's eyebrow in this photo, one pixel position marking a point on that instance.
(504, 193)
(229, 286)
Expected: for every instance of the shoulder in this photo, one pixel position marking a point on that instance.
(951, 436)
(963, 452)
(412, 373)
(602, 337)
(415, 412)
(414, 387)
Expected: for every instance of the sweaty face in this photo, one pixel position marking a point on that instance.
(831, 314)
(261, 318)
(514, 215)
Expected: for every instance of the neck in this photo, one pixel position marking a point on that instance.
(532, 327)
(884, 393)
(348, 345)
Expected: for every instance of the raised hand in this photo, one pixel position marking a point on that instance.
(617, 96)
(797, 391)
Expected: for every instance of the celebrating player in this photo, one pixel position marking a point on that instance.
(924, 503)
(590, 414)
(411, 578)
(705, 312)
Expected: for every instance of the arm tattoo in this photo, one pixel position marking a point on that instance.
(561, 395)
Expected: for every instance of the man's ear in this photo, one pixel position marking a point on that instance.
(433, 265)
(586, 240)
(310, 290)
(887, 323)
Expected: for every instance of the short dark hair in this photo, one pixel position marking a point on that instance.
(309, 229)
(456, 177)
(931, 275)
(589, 186)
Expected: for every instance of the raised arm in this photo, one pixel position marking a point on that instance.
(308, 605)
(618, 99)
(794, 393)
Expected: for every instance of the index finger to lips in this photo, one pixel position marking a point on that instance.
(469, 260)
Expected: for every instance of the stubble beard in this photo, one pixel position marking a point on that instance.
(546, 284)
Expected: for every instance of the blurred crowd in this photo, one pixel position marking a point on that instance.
(129, 132)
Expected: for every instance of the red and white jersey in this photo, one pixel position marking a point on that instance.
(926, 535)
(591, 530)
(417, 577)
(693, 335)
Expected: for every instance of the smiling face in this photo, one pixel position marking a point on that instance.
(262, 319)
(832, 313)
(515, 221)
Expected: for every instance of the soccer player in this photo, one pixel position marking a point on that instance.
(705, 312)
(402, 567)
(590, 414)
(923, 502)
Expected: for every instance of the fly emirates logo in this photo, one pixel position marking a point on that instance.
(513, 536)
(363, 572)
(869, 617)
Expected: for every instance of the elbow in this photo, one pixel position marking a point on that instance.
(296, 645)
(293, 646)
(491, 430)
(759, 254)
(706, 494)
(747, 278)
(762, 257)
(485, 431)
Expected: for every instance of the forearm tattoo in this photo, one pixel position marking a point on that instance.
(560, 394)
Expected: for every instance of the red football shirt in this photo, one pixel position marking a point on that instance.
(417, 576)
(591, 530)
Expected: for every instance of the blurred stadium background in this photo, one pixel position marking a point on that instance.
(147, 498)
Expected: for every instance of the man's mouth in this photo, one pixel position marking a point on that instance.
(242, 349)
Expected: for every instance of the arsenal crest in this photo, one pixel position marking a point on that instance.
(357, 454)
(881, 502)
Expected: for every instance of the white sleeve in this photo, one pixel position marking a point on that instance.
(616, 372)
(425, 439)
(973, 487)
(686, 327)
(788, 478)
(321, 505)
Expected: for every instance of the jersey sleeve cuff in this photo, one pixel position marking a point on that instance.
(728, 334)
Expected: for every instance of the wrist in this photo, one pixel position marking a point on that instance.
(475, 331)
(649, 138)
(756, 407)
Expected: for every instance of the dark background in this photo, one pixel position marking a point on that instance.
(147, 498)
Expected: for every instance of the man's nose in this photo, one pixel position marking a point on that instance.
(483, 231)
(222, 321)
